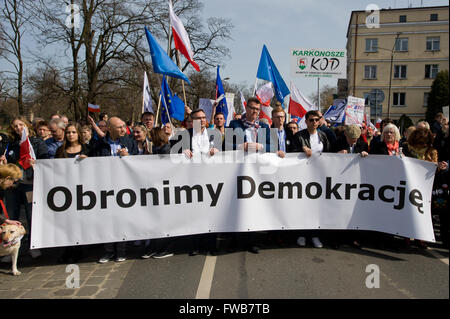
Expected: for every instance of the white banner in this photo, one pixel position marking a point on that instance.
(319, 63)
(111, 199)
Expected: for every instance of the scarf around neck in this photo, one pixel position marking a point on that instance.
(392, 148)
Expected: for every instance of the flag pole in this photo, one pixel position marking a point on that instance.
(254, 90)
(182, 81)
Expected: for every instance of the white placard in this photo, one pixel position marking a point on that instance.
(319, 63)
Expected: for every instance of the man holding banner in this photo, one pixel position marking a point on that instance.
(115, 143)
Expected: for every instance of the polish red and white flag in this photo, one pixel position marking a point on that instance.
(298, 104)
(181, 37)
(26, 150)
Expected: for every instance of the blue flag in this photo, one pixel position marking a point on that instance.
(269, 72)
(336, 112)
(177, 108)
(222, 107)
(166, 101)
(161, 62)
(172, 105)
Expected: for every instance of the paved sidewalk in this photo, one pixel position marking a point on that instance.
(45, 278)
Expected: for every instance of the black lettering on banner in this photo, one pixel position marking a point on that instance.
(370, 192)
(188, 191)
(214, 195)
(240, 194)
(318, 190)
(81, 195)
(290, 188)
(413, 196)
(155, 196)
(51, 199)
(103, 198)
(401, 200)
(329, 191)
(270, 188)
(120, 200)
(348, 188)
(381, 193)
(166, 193)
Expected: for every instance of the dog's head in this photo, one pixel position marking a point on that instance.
(11, 234)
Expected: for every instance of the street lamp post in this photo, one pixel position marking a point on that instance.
(390, 75)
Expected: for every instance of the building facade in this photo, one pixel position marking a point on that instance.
(394, 56)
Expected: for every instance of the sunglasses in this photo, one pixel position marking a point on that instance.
(314, 120)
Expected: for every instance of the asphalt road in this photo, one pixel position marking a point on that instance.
(292, 272)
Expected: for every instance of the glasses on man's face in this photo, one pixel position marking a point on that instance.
(279, 117)
(314, 120)
(256, 109)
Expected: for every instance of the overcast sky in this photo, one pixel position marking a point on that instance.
(286, 24)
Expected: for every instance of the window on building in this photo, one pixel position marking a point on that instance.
(425, 98)
(433, 17)
(399, 99)
(371, 45)
(433, 43)
(402, 19)
(399, 71)
(370, 72)
(401, 44)
(431, 70)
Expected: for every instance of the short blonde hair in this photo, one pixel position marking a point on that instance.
(396, 131)
(10, 170)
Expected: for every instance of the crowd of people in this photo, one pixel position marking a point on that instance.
(112, 136)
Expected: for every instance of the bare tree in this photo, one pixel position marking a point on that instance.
(13, 16)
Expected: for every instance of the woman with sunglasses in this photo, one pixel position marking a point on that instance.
(311, 141)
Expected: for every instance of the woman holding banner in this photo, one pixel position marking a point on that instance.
(73, 145)
(388, 143)
(23, 193)
(141, 136)
(420, 145)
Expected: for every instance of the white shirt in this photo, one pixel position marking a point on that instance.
(200, 142)
(316, 144)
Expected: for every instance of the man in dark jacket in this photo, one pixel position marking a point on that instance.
(311, 140)
(249, 129)
(115, 143)
(351, 142)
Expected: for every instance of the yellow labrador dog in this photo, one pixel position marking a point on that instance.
(10, 243)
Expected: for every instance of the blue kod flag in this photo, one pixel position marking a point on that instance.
(161, 62)
(269, 72)
(222, 107)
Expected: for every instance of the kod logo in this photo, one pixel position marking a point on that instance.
(302, 62)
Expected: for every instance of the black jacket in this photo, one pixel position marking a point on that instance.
(360, 145)
(378, 147)
(101, 147)
(301, 139)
